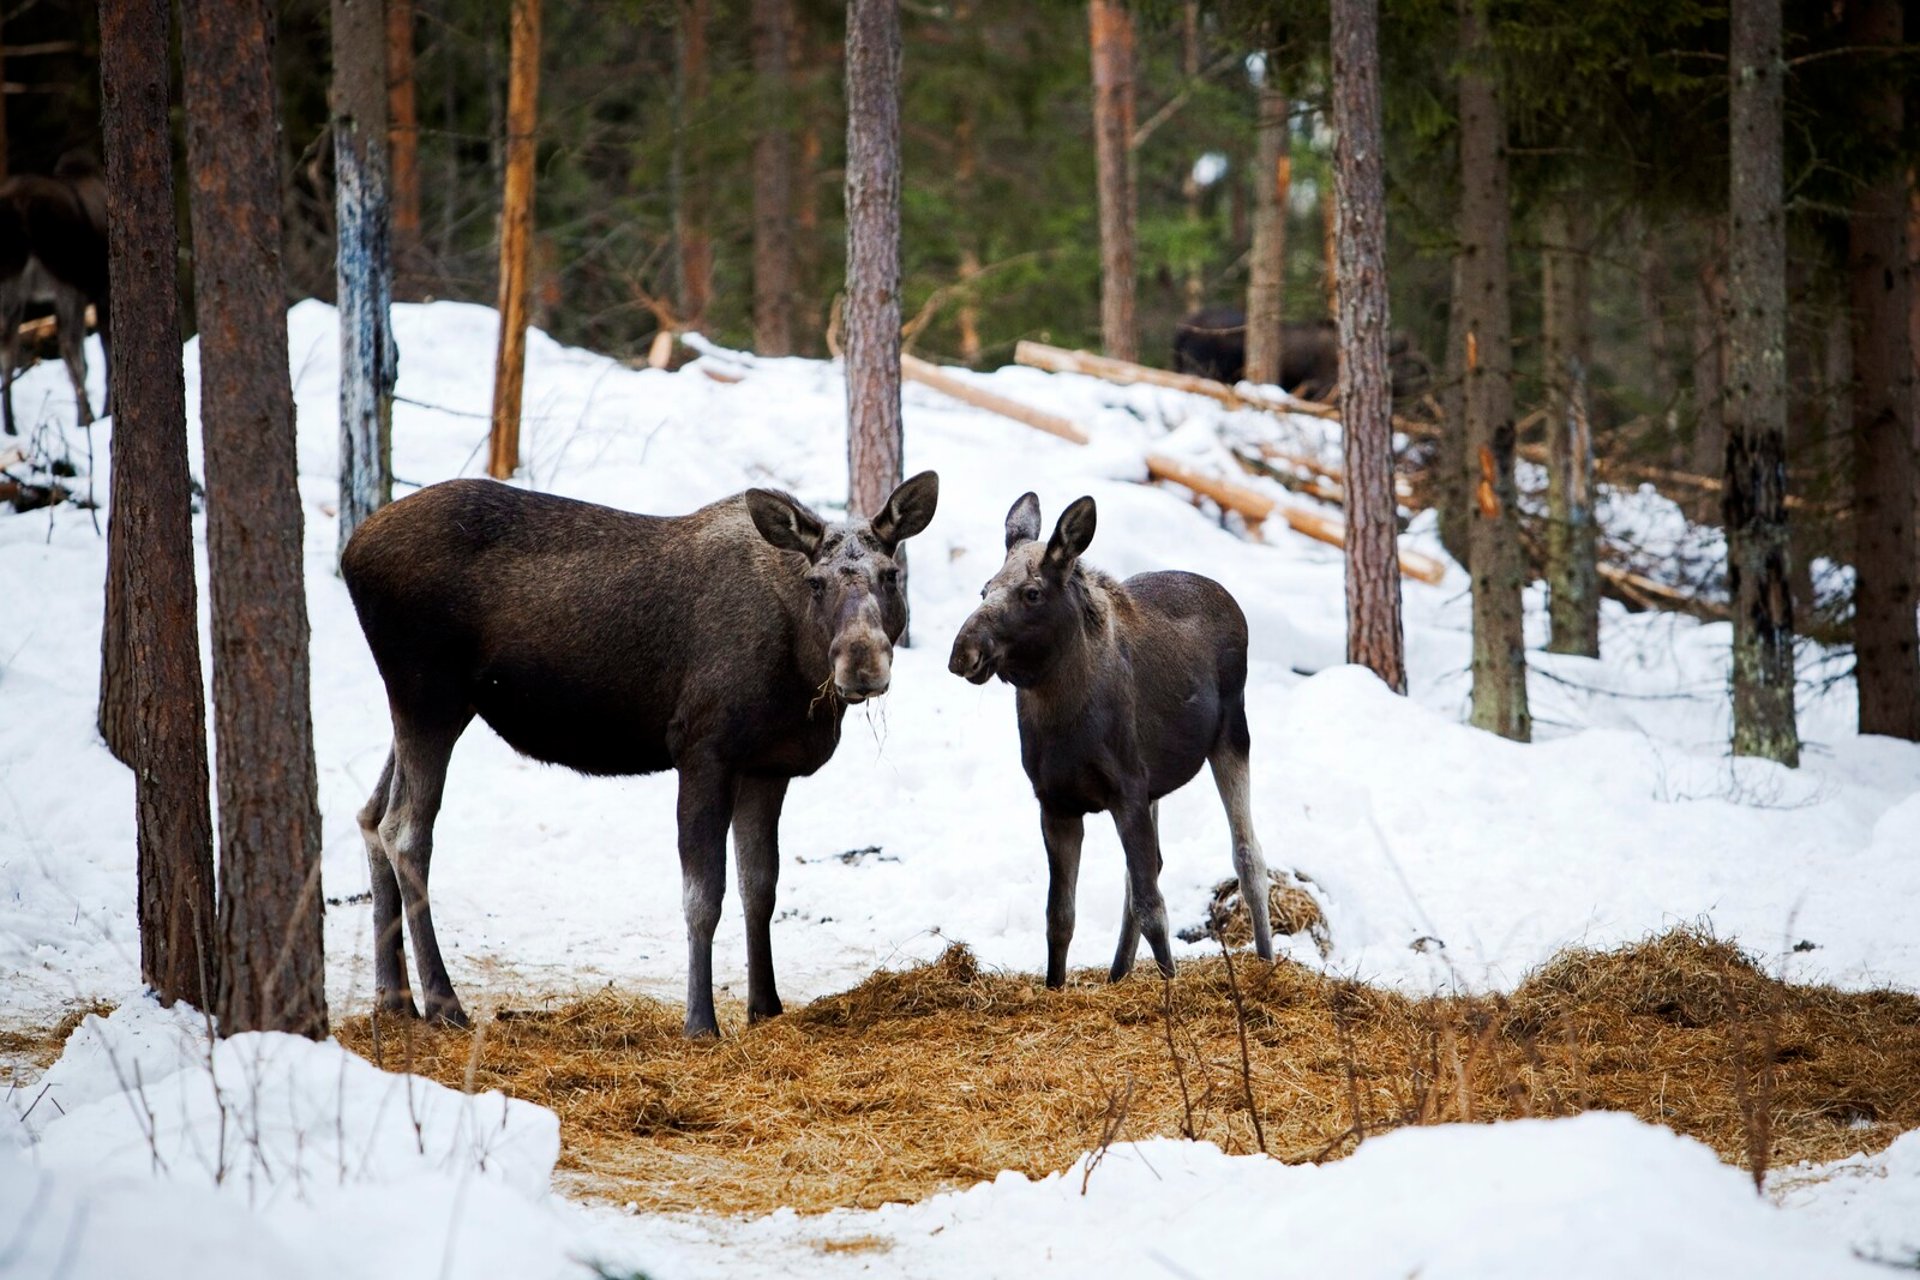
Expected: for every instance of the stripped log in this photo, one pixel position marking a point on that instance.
(1257, 507)
(42, 328)
(1038, 355)
(929, 375)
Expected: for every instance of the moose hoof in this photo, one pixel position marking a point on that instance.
(701, 1028)
(398, 1004)
(449, 1015)
(763, 1012)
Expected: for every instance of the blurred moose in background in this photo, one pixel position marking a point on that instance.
(53, 249)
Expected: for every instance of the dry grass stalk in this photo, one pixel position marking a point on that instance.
(943, 1075)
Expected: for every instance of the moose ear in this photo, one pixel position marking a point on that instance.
(1071, 536)
(784, 522)
(1023, 520)
(908, 511)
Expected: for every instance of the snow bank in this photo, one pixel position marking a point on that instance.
(142, 1151)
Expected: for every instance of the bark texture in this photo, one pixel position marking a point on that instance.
(1110, 25)
(873, 253)
(363, 260)
(153, 507)
(1573, 576)
(1886, 648)
(271, 970)
(516, 237)
(1374, 637)
(1267, 263)
(1493, 535)
(1755, 495)
(773, 263)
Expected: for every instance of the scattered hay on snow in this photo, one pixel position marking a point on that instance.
(941, 1075)
(1290, 910)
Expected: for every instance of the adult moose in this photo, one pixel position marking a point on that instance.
(725, 644)
(1123, 690)
(53, 247)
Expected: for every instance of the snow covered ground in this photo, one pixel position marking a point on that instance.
(1442, 856)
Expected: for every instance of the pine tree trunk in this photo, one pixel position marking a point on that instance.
(1195, 276)
(403, 150)
(773, 273)
(1111, 28)
(1493, 536)
(692, 186)
(153, 506)
(363, 261)
(1886, 649)
(1573, 580)
(873, 253)
(1374, 637)
(1267, 264)
(1452, 481)
(271, 970)
(1755, 496)
(516, 237)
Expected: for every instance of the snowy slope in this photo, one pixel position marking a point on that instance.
(1626, 818)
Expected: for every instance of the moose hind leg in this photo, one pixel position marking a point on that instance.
(706, 808)
(70, 319)
(419, 780)
(391, 991)
(756, 847)
(1230, 774)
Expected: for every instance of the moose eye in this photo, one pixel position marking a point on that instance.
(1031, 595)
(816, 583)
(889, 577)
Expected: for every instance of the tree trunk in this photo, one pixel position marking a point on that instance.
(271, 970)
(692, 177)
(153, 506)
(1755, 495)
(363, 261)
(1374, 636)
(1493, 535)
(1452, 480)
(1267, 264)
(1195, 275)
(873, 253)
(1573, 576)
(516, 238)
(1886, 649)
(403, 151)
(1111, 27)
(773, 273)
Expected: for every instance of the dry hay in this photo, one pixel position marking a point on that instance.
(39, 1047)
(1290, 910)
(942, 1075)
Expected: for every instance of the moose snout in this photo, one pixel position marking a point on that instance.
(862, 668)
(972, 657)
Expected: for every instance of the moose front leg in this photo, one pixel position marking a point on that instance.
(706, 807)
(756, 848)
(1142, 847)
(1063, 833)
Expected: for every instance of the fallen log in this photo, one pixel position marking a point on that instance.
(914, 369)
(41, 328)
(1257, 507)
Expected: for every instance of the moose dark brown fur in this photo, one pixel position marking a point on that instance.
(53, 246)
(1123, 690)
(725, 644)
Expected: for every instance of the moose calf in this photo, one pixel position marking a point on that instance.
(1123, 690)
(725, 644)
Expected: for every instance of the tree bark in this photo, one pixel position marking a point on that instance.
(1267, 264)
(1374, 637)
(1755, 496)
(1111, 28)
(873, 254)
(271, 970)
(1195, 275)
(516, 237)
(1710, 363)
(1493, 535)
(773, 262)
(1573, 577)
(403, 151)
(1886, 648)
(1453, 483)
(692, 177)
(363, 260)
(153, 506)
